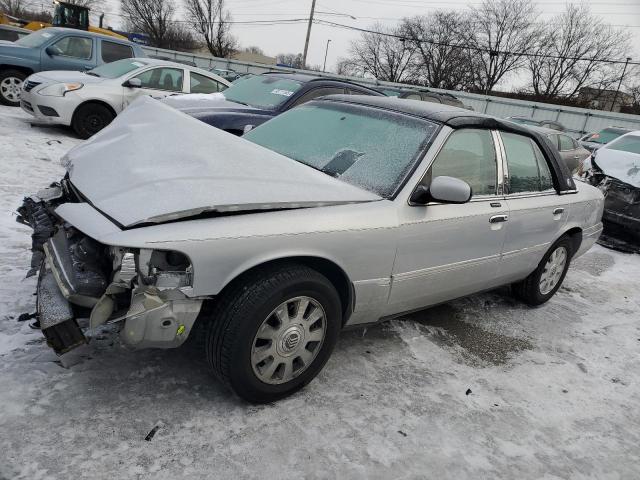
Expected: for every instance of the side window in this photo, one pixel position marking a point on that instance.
(528, 169)
(8, 35)
(555, 140)
(414, 96)
(566, 143)
(353, 91)
(75, 47)
(202, 84)
(431, 98)
(112, 51)
(317, 92)
(169, 79)
(469, 155)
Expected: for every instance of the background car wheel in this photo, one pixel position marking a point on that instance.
(273, 331)
(10, 87)
(89, 119)
(545, 281)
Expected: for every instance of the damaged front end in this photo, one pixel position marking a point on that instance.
(621, 215)
(144, 291)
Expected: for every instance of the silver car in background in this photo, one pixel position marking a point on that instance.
(89, 101)
(343, 211)
(571, 152)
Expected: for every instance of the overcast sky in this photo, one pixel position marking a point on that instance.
(274, 39)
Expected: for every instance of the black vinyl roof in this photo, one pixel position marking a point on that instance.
(456, 117)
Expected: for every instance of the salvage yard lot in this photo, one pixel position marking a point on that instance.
(482, 387)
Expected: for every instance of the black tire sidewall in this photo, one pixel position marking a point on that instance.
(11, 73)
(242, 378)
(81, 117)
(536, 294)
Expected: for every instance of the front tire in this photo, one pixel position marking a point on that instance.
(545, 281)
(273, 331)
(90, 118)
(10, 87)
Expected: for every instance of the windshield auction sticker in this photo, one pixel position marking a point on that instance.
(284, 93)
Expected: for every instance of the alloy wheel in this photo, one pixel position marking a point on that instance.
(10, 89)
(288, 340)
(553, 270)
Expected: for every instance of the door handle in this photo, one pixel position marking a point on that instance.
(558, 211)
(495, 204)
(499, 218)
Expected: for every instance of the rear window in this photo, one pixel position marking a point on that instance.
(112, 51)
(528, 169)
(9, 35)
(628, 143)
(607, 135)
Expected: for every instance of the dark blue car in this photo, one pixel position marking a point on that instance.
(252, 101)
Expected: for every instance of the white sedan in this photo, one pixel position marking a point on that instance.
(89, 101)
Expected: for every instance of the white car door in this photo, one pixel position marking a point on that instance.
(158, 82)
(451, 250)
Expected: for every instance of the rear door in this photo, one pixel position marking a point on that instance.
(536, 212)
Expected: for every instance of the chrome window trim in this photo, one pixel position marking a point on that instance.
(541, 193)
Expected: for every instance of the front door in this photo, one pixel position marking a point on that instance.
(69, 53)
(448, 251)
(157, 82)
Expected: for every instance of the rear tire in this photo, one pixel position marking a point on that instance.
(11, 86)
(545, 280)
(90, 118)
(271, 313)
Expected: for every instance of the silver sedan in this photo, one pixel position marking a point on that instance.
(338, 213)
(89, 101)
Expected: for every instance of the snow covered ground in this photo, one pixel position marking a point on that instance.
(479, 388)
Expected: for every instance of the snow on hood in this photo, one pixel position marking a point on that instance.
(625, 166)
(64, 76)
(188, 100)
(155, 164)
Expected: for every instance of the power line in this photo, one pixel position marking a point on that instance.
(477, 49)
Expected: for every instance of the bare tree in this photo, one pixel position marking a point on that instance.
(253, 49)
(387, 56)
(441, 60)
(497, 33)
(212, 22)
(12, 7)
(572, 52)
(151, 17)
(293, 60)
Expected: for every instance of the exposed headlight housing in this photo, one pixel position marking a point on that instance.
(59, 89)
(165, 268)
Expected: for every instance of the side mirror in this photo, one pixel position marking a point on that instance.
(247, 129)
(133, 83)
(443, 190)
(50, 51)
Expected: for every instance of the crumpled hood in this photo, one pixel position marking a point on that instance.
(625, 166)
(154, 164)
(210, 103)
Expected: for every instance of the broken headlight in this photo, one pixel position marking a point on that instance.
(165, 268)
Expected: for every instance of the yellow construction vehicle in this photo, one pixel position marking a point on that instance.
(64, 15)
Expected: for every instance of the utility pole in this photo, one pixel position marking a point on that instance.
(306, 43)
(324, 67)
(615, 97)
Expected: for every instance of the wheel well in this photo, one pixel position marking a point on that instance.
(329, 269)
(93, 102)
(575, 234)
(25, 70)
